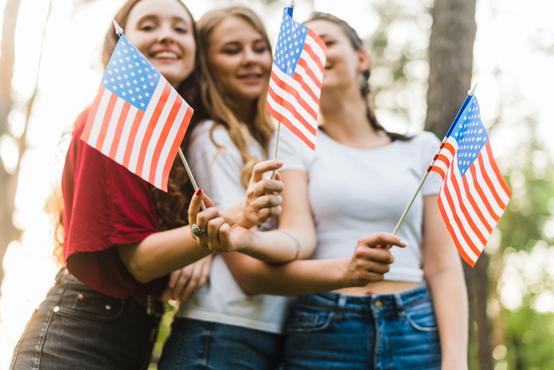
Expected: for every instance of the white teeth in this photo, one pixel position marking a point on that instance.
(165, 54)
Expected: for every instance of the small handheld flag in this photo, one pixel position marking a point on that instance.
(473, 195)
(137, 119)
(296, 77)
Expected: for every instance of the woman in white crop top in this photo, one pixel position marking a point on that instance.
(220, 326)
(357, 182)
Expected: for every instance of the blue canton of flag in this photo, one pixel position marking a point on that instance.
(471, 136)
(289, 44)
(130, 75)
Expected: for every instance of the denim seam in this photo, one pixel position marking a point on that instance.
(314, 329)
(44, 331)
(207, 344)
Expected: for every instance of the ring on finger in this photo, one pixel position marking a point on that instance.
(197, 231)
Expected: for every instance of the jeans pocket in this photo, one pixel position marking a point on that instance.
(421, 317)
(89, 305)
(305, 319)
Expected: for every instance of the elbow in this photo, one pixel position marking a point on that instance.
(139, 272)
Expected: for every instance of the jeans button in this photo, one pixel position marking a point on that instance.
(378, 304)
(108, 307)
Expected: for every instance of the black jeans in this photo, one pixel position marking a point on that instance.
(76, 327)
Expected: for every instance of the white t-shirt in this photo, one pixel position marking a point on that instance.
(354, 192)
(221, 300)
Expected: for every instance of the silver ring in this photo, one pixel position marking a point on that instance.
(197, 231)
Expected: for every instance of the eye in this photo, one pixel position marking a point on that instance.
(181, 29)
(146, 27)
(330, 43)
(231, 50)
(260, 48)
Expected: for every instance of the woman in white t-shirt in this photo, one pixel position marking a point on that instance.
(220, 326)
(358, 181)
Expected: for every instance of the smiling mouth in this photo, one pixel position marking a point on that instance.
(165, 55)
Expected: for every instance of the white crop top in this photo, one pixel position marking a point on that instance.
(221, 300)
(354, 192)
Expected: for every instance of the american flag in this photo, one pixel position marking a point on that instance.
(137, 119)
(295, 84)
(473, 195)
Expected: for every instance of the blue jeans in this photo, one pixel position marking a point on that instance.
(335, 331)
(76, 327)
(196, 344)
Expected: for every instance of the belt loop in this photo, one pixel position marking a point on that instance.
(398, 300)
(342, 301)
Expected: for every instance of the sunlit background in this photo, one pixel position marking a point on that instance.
(513, 62)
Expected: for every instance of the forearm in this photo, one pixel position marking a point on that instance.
(449, 297)
(279, 246)
(294, 278)
(161, 253)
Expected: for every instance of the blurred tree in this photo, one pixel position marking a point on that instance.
(8, 231)
(450, 68)
(9, 175)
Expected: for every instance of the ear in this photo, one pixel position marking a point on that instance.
(364, 60)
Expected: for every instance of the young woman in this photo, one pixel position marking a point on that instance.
(358, 181)
(220, 327)
(121, 236)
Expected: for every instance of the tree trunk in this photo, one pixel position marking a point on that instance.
(7, 191)
(450, 61)
(450, 68)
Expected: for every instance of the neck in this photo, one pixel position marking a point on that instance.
(344, 116)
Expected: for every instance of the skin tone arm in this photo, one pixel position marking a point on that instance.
(444, 275)
(163, 252)
(368, 263)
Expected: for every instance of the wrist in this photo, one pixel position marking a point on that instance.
(344, 279)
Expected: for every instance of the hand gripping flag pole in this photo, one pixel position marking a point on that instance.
(473, 194)
(296, 77)
(138, 119)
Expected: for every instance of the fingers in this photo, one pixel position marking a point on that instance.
(265, 186)
(377, 255)
(182, 279)
(198, 277)
(382, 240)
(194, 206)
(262, 167)
(213, 233)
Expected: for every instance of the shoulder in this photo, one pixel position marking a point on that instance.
(424, 141)
(206, 132)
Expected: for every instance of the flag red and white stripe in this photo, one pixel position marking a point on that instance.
(295, 83)
(141, 126)
(471, 204)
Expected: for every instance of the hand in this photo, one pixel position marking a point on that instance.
(188, 280)
(371, 259)
(215, 232)
(263, 199)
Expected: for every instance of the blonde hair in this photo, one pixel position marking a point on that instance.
(217, 105)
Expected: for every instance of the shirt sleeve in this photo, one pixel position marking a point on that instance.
(216, 169)
(429, 147)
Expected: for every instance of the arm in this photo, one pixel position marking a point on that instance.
(162, 252)
(295, 238)
(370, 261)
(444, 274)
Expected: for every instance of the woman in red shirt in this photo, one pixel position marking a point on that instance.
(122, 236)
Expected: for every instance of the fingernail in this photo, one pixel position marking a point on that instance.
(198, 191)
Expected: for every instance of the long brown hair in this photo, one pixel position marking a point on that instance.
(217, 105)
(365, 89)
(171, 207)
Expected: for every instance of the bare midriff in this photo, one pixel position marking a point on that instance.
(379, 287)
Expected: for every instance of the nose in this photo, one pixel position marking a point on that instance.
(166, 34)
(249, 56)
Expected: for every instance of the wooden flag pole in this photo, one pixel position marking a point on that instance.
(424, 178)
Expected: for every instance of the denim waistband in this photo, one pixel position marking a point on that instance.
(374, 302)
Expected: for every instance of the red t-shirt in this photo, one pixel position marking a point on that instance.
(104, 205)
